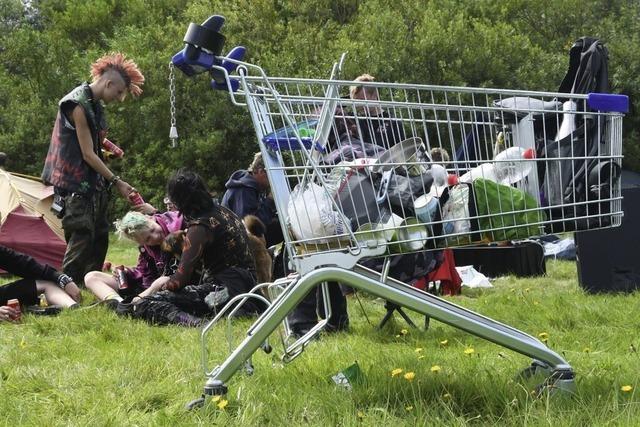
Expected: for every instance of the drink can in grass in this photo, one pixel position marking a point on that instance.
(113, 148)
(135, 198)
(15, 304)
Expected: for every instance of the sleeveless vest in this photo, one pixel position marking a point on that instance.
(64, 166)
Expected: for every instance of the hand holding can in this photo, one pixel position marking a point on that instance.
(135, 198)
(15, 305)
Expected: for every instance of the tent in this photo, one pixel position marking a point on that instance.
(26, 223)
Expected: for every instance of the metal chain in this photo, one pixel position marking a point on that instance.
(173, 132)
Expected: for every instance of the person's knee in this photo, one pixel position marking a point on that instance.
(93, 279)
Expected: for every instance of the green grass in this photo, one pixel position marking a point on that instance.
(89, 367)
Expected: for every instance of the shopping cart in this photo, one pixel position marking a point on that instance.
(402, 168)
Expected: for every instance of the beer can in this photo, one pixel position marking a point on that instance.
(135, 198)
(121, 277)
(113, 148)
(15, 304)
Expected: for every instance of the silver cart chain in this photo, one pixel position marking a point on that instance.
(173, 132)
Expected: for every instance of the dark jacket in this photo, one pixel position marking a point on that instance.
(243, 197)
(26, 266)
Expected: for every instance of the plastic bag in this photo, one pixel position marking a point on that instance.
(311, 214)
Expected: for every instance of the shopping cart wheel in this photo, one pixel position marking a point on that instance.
(536, 368)
(195, 403)
(214, 388)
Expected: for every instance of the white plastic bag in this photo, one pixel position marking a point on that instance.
(472, 278)
(311, 214)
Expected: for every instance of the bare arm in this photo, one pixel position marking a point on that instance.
(92, 159)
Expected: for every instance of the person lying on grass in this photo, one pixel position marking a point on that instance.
(37, 279)
(149, 232)
(216, 240)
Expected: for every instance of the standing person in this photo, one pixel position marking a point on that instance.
(216, 241)
(149, 232)
(37, 279)
(248, 193)
(75, 167)
(375, 125)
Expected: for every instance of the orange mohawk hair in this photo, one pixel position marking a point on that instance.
(128, 69)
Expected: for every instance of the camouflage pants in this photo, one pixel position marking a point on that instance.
(86, 230)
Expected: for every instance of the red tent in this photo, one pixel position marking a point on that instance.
(26, 223)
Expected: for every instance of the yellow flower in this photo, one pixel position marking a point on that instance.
(216, 398)
(404, 332)
(421, 357)
(23, 343)
(409, 376)
(223, 404)
(443, 343)
(435, 368)
(419, 349)
(536, 303)
(587, 350)
(446, 396)
(360, 414)
(626, 388)
(396, 371)
(527, 289)
(543, 336)
(469, 351)
(409, 408)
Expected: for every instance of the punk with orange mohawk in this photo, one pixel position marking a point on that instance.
(75, 166)
(127, 69)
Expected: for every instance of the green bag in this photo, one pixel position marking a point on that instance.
(505, 212)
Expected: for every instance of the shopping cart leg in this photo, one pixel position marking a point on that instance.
(560, 372)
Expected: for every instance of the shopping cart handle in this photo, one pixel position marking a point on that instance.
(608, 102)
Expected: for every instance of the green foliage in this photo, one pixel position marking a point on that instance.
(47, 48)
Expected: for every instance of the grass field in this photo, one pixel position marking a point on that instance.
(90, 367)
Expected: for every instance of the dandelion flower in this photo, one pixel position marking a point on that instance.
(409, 408)
(543, 336)
(360, 414)
(409, 376)
(626, 388)
(587, 350)
(435, 368)
(223, 404)
(396, 372)
(404, 332)
(444, 342)
(469, 351)
(527, 289)
(419, 349)
(23, 343)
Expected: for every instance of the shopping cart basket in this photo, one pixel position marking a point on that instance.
(403, 168)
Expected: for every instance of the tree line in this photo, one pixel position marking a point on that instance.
(47, 46)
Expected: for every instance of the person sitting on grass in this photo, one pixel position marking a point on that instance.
(217, 241)
(37, 279)
(149, 232)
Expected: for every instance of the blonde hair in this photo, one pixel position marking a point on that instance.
(257, 163)
(365, 78)
(132, 224)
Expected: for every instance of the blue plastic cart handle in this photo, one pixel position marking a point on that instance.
(608, 102)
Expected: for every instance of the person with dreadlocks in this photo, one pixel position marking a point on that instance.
(216, 243)
(75, 167)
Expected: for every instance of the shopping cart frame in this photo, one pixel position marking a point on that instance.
(343, 263)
